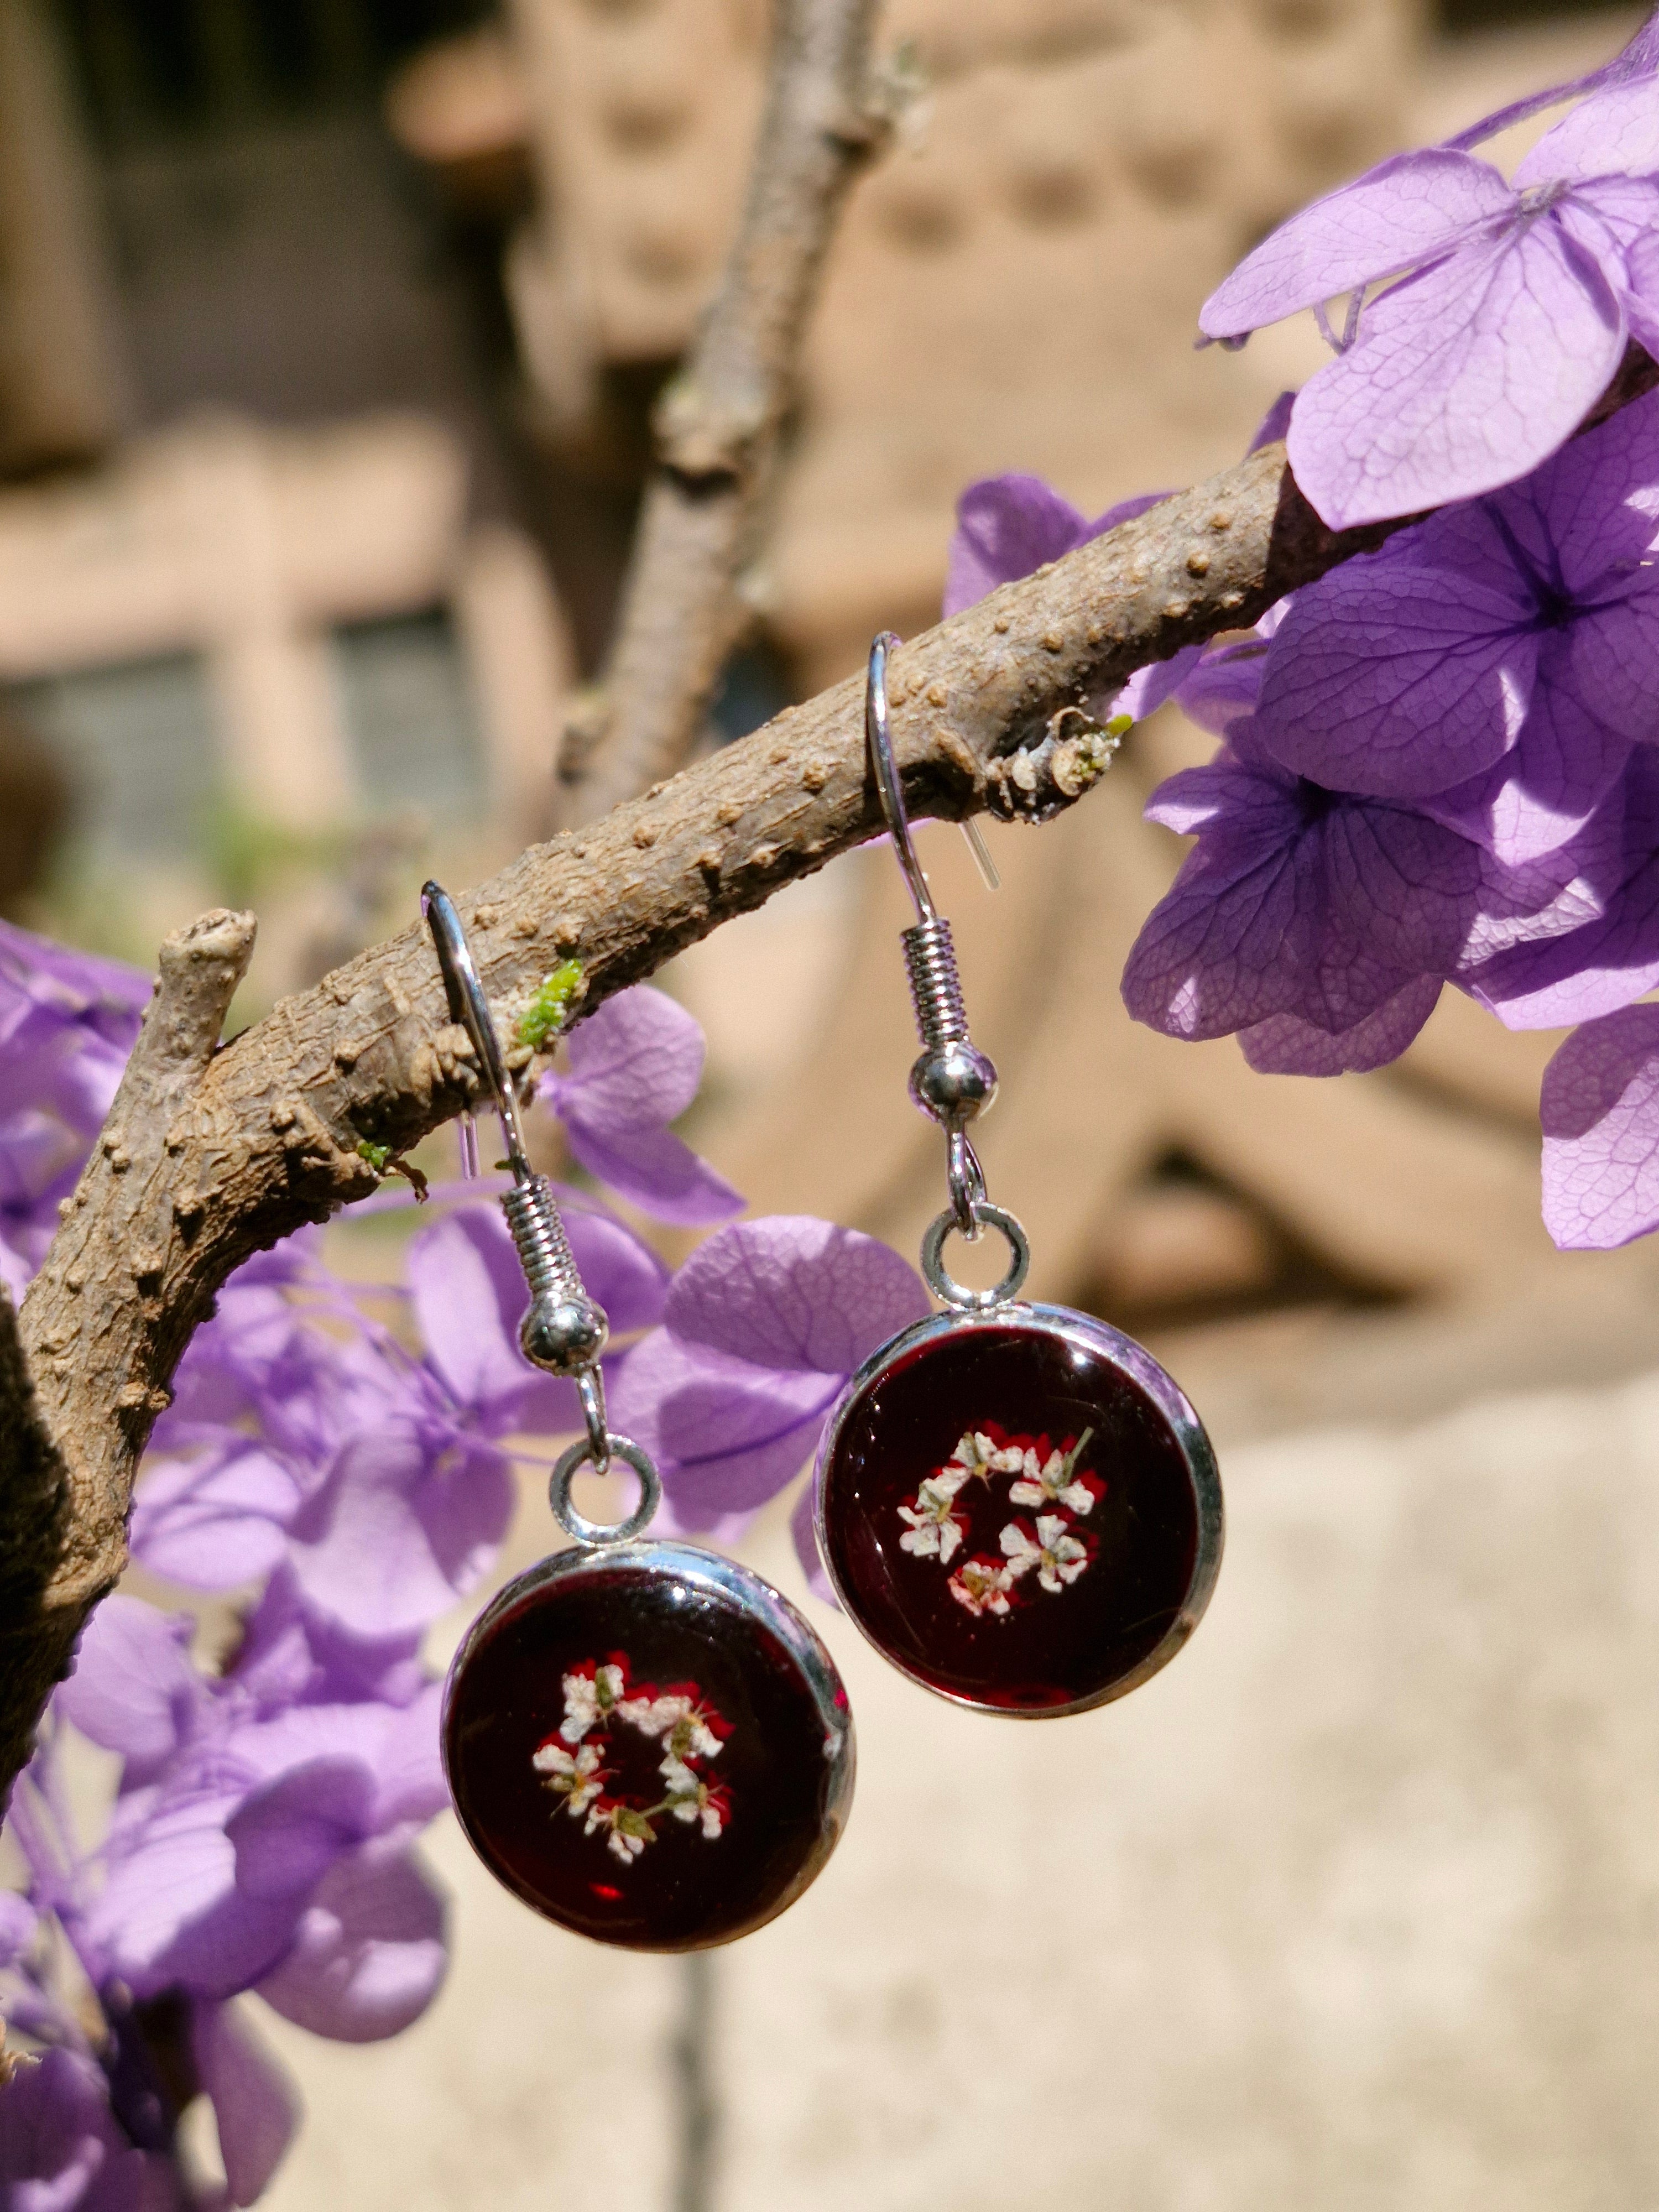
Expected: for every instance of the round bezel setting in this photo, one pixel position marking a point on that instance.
(648, 1744)
(1019, 1509)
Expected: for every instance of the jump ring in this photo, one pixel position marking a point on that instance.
(945, 1286)
(569, 1464)
(590, 1389)
(967, 1181)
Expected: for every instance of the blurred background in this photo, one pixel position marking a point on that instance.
(329, 331)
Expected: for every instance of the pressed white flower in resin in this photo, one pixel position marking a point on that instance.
(576, 1776)
(589, 1694)
(597, 1698)
(934, 1529)
(1053, 1482)
(938, 1521)
(1058, 1557)
(982, 1586)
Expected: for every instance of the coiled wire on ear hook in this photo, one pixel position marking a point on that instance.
(564, 1330)
(951, 1079)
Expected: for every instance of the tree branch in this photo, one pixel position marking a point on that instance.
(208, 1157)
(717, 423)
(101, 1354)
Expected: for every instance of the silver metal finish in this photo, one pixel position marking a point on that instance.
(469, 1007)
(944, 1284)
(570, 1463)
(710, 1584)
(1097, 1338)
(951, 1079)
(564, 1330)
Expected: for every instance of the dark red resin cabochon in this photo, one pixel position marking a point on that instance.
(985, 1552)
(641, 1758)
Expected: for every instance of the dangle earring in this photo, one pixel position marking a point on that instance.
(1015, 1503)
(643, 1739)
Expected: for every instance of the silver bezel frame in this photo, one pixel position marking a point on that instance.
(714, 1573)
(1084, 1331)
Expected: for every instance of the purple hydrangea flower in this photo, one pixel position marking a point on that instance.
(1501, 658)
(635, 1064)
(762, 1326)
(258, 1845)
(1319, 925)
(1599, 1109)
(1506, 309)
(375, 1480)
(67, 1023)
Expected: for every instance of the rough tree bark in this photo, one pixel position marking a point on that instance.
(209, 1156)
(718, 421)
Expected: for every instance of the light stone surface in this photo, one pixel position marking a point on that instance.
(1357, 1905)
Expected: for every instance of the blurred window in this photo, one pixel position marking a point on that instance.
(137, 747)
(152, 69)
(410, 716)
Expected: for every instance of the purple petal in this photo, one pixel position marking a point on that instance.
(288, 1834)
(1641, 292)
(170, 1913)
(1405, 671)
(369, 1954)
(396, 1746)
(1232, 940)
(1006, 527)
(1298, 902)
(1614, 958)
(789, 1291)
(19, 1925)
(253, 2099)
(1639, 58)
(1288, 1046)
(1151, 687)
(106, 996)
(636, 1063)
(620, 1270)
(1600, 1108)
(1275, 423)
(1463, 378)
(805, 1536)
(60, 2148)
(653, 1167)
(290, 1656)
(1194, 798)
(213, 1522)
(1540, 795)
(1614, 131)
(404, 1526)
(133, 1690)
(1225, 684)
(469, 1295)
(1407, 209)
(727, 1434)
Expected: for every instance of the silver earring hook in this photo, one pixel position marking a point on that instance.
(470, 1009)
(952, 1080)
(878, 738)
